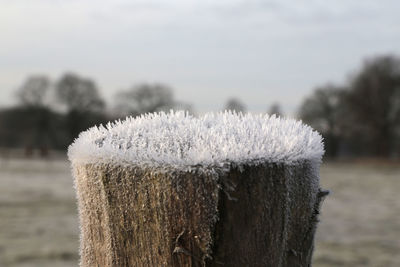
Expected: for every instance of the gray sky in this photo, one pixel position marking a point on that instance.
(258, 51)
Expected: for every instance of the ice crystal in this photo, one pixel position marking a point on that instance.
(180, 140)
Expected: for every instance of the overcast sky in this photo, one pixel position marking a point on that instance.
(258, 51)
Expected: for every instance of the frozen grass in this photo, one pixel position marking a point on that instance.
(39, 224)
(361, 218)
(38, 218)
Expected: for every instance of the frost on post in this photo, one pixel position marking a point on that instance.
(224, 189)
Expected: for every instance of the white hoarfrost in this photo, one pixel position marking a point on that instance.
(177, 139)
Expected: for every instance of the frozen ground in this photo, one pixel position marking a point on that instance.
(38, 222)
(360, 222)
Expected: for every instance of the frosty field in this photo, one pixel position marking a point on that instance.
(360, 221)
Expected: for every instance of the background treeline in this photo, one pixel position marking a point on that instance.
(362, 116)
(358, 118)
(50, 115)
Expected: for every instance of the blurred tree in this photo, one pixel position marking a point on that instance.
(322, 111)
(275, 109)
(235, 104)
(145, 98)
(33, 91)
(32, 127)
(82, 100)
(78, 94)
(33, 115)
(373, 102)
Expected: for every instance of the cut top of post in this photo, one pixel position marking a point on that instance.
(179, 140)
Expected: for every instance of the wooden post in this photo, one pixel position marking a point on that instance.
(248, 212)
